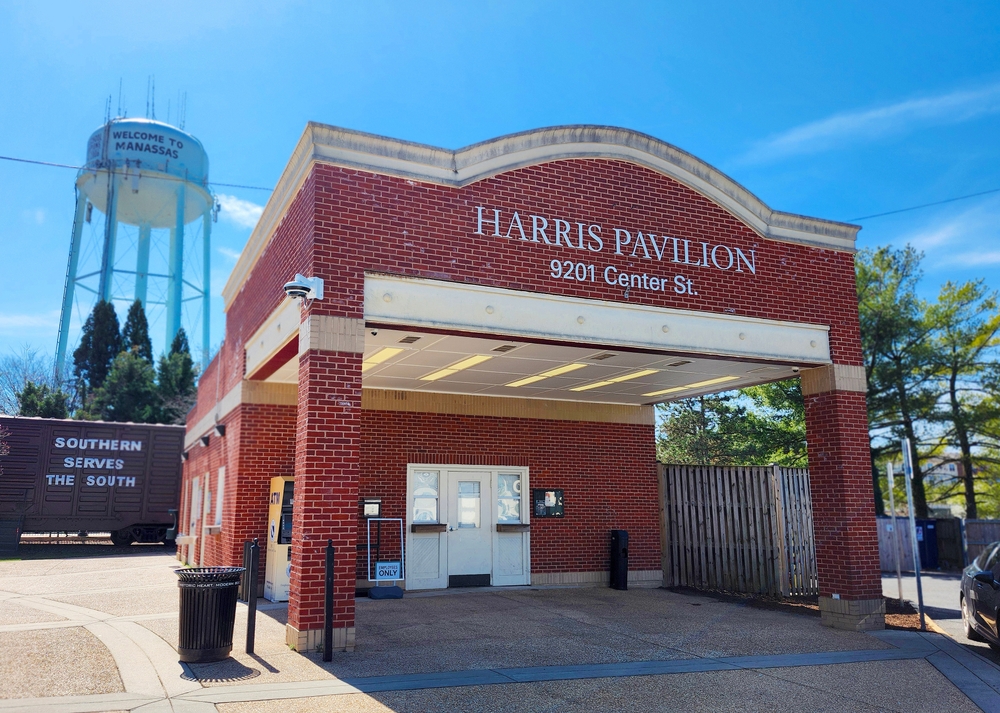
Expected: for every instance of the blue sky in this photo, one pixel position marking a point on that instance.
(836, 110)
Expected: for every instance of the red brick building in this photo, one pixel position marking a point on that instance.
(499, 321)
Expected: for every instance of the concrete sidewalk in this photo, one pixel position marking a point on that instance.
(97, 634)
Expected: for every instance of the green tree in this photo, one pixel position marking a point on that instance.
(895, 338)
(100, 343)
(128, 393)
(964, 349)
(759, 425)
(135, 333)
(40, 400)
(775, 423)
(176, 380)
(699, 431)
(19, 367)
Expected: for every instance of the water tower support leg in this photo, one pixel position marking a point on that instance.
(110, 238)
(142, 265)
(175, 285)
(70, 285)
(206, 285)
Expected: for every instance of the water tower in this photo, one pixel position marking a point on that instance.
(150, 237)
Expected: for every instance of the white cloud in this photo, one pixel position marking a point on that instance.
(853, 126)
(969, 239)
(44, 320)
(236, 210)
(972, 259)
(37, 215)
(229, 252)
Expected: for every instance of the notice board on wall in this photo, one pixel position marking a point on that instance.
(546, 503)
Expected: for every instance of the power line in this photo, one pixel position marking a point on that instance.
(925, 205)
(261, 188)
(78, 168)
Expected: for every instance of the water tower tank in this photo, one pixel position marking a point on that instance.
(149, 181)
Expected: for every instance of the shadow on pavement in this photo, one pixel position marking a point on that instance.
(63, 550)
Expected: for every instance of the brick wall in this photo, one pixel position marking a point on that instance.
(608, 472)
(344, 222)
(259, 444)
(841, 487)
(326, 485)
(385, 224)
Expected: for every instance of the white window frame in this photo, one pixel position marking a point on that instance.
(220, 489)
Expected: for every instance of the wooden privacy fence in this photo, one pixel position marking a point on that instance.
(738, 529)
(978, 534)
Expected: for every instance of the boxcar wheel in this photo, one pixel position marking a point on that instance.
(122, 538)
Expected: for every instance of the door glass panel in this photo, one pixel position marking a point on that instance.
(425, 496)
(509, 498)
(469, 498)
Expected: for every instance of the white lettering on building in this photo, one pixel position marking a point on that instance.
(644, 245)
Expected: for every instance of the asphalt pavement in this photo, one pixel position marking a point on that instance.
(85, 634)
(941, 590)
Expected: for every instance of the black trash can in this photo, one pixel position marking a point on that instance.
(208, 612)
(619, 559)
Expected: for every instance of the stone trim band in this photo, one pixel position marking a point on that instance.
(393, 157)
(834, 377)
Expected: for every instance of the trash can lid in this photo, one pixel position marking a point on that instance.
(209, 574)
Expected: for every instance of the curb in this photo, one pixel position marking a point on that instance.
(933, 626)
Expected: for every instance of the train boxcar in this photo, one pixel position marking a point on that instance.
(91, 476)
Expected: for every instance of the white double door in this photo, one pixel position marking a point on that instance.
(466, 527)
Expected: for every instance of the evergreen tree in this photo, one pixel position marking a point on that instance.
(895, 337)
(100, 343)
(701, 431)
(964, 351)
(135, 333)
(176, 380)
(775, 423)
(128, 393)
(39, 400)
(759, 425)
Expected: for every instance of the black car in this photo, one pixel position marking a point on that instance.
(980, 597)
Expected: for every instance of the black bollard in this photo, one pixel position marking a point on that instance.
(251, 581)
(244, 587)
(328, 605)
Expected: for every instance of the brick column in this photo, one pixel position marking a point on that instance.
(850, 583)
(327, 450)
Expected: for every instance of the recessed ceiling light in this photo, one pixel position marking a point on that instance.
(616, 380)
(378, 357)
(565, 369)
(696, 385)
(464, 364)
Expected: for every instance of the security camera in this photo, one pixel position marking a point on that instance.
(302, 287)
(795, 369)
(374, 332)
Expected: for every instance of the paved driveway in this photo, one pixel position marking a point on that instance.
(98, 634)
(941, 592)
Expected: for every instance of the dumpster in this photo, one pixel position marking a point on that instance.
(619, 559)
(207, 612)
(927, 543)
